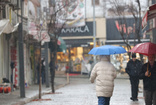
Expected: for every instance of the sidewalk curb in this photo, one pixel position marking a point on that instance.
(27, 100)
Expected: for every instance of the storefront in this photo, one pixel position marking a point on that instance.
(79, 42)
(8, 50)
(114, 28)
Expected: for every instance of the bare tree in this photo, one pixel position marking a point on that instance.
(122, 10)
(38, 31)
(58, 20)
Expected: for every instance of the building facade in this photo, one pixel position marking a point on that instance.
(79, 40)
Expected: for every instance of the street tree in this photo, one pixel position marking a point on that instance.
(37, 27)
(41, 36)
(58, 20)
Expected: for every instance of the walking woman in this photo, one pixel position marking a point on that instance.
(104, 72)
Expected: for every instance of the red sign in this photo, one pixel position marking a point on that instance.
(144, 20)
(150, 14)
(15, 71)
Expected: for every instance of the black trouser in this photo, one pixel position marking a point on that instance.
(150, 97)
(134, 86)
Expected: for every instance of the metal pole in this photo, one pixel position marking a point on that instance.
(46, 64)
(153, 30)
(21, 58)
(94, 29)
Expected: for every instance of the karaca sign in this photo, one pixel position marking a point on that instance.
(77, 29)
(86, 30)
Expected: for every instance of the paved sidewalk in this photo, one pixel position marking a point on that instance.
(119, 75)
(30, 93)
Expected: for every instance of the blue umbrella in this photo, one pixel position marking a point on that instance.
(107, 50)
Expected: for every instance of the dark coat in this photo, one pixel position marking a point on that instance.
(133, 68)
(149, 82)
(12, 65)
(42, 66)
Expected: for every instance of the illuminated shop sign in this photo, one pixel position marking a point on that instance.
(86, 30)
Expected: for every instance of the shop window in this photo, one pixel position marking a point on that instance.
(96, 2)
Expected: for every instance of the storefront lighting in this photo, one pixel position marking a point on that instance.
(91, 43)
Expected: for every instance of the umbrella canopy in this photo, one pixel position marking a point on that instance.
(107, 50)
(144, 48)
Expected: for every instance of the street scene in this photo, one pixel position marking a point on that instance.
(81, 92)
(77, 52)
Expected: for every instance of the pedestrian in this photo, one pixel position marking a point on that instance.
(38, 71)
(67, 68)
(148, 74)
(104, 72)
(12, 66)
(133, 69)
(43, 70)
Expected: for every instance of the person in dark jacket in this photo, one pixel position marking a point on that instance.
(148, 74)
(12, 65)
(43, 70)
(133, 69)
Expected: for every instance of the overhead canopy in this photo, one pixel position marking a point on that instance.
(77, 42)
(62, 47)
(6, 27)
(150, 14)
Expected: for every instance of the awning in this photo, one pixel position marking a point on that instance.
(150, 14)
(6, 27)
(78, 42)
(121, 42)
(62, 47)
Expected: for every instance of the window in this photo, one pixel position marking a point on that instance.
(96, 2)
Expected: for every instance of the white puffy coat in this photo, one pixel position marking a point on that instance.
(105, 73)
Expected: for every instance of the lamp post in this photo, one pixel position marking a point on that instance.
(21, 58)
(94, 29)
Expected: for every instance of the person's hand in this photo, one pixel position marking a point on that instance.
(146, 73)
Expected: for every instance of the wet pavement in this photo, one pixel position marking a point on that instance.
(31, 93)
(81, 92)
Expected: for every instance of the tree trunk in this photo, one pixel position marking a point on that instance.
(40, 78)
(52, 71)
(52, 81)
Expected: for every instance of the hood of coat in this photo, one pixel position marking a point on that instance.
(105, 58)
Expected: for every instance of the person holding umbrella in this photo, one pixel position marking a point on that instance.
(148, 71)
(133, 69)
(148, 74)
(104, 72)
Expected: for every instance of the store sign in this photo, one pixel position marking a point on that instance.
(144, 20)
(15, 70)
(77, 43)
(71, 10)
(126, 30)
(86, 30)
(117, 26)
